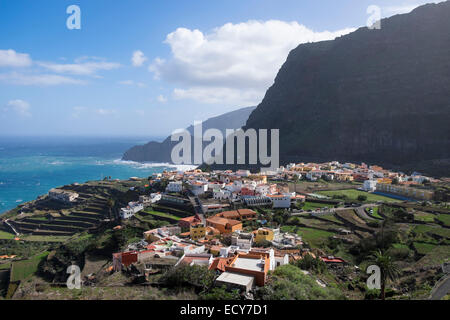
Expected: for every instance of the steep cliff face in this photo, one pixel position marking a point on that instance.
(380, 96)
(161, 151)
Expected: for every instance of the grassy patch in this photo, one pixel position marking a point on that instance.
(315, 205)
(374, 213)
(352, 194)
(33, 238)
(313, 236)
(445, 219)
(424, 217)
(423, 248)
(162, 215)
(6, 235)
(23, 269)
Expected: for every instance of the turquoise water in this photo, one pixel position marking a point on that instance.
(29, 167)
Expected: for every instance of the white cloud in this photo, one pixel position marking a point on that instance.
(138, 58)
(213, 95)
(80, 67)
(37, 79)
(10, 58)
(232, 61)
(161, 99)
(22, 108)
(105, 112)
(132, 83)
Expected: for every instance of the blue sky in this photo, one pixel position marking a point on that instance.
(193, 59)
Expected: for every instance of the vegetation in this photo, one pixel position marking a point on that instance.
(288, 282)
(389, 270)
(353, 194)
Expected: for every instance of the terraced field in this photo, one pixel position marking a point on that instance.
(87, 215)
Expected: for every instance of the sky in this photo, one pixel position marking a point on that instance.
(147, 67)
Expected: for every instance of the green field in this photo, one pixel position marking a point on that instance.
(375, 213)
(313, 236)
(33, 238)
(444, 218)
(424, 217)
(6, 235)
(315, 205)
(352, 194)
(160, 214)
(4, 266)
(23, 269)
(424, 248)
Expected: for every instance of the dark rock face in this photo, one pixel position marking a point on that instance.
(379, 96)
(161, 151)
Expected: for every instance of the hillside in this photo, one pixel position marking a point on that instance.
(379, 96)
(161, 151)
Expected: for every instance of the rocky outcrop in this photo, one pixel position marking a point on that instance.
(379, 96)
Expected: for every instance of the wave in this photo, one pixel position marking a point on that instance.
(57, 163)
(19, 201)
(149, 165)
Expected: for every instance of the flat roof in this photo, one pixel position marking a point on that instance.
(248, 264)
(236, 278)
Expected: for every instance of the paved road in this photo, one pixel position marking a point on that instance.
(442, 289)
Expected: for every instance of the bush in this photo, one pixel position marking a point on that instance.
(289, 283)
(184, 275)
(312, 264)
(220, 293)
(362, 198)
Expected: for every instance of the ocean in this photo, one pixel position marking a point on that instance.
(31, 166)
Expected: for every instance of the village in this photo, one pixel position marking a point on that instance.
(226, 234)
(303, 231)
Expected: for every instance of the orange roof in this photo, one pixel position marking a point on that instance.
(223, 221)
(220, 264)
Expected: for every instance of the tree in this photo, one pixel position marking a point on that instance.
(388, 269)
(362, 198)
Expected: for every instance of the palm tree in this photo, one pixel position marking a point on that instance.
(388, 269)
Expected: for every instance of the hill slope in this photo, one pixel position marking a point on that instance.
(161, 151)
(380, 96)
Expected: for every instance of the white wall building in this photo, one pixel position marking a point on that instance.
(131, 210)
(176, 186)
(370, 185)
(282, 201)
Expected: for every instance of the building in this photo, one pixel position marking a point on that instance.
(65, 196)
(160, 233)
(240, 214)
(280, 201)
(242, 240)
(198, 188)
(370, 185)
(197, 231)
(131, 210)
(199, 259)
(257, 201)
(404, 191)
(186, 223)
(175, 186)
(225, 226)
(247, 270)
(263, 234)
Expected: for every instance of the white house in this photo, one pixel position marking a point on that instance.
(198, 188)
(281, 201)
(176, 186)
(370, 185)
(131, 210)
(66, 196)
